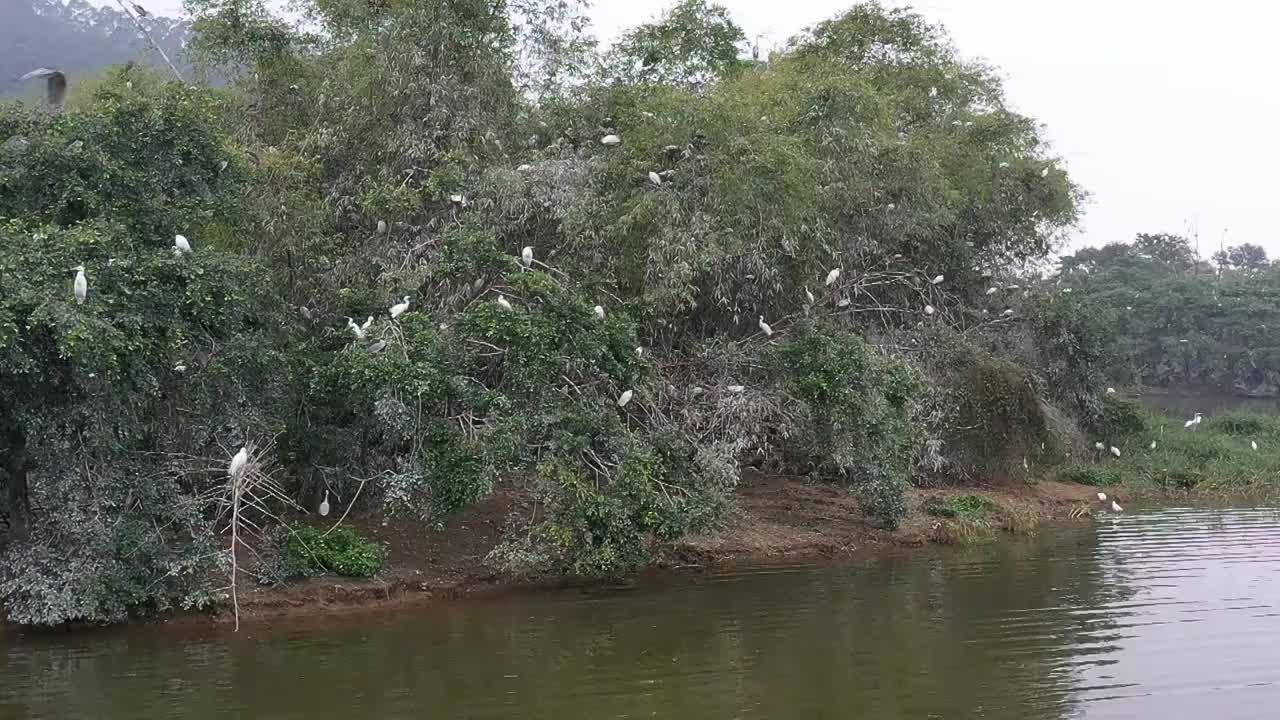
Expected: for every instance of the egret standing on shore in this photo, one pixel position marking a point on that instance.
(324, 504)
(1193, 423)
(81, 285)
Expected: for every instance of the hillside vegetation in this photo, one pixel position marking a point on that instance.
(823, 263)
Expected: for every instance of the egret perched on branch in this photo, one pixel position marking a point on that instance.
(238, 463)
(1099, 446)
(526, 256)
(808, 296)
(599, 311)
(1045, 172)
(306, 314)
(399, 308)
(639, 351)
(81, 285)
(992, 291)
(624, 398)
(1115, 451)
(1008, 312)
(833, 276)
(382, 227)
(1193, 423)
(764, 327)
(324, 504)
(502, 302)
(655, 178)
(357, 330)
(929, 310)
(56, 85)
(181, 246)
(938, 280)
(610, 140)
(1253, 444)
(1111, 391)
(1153, 444)
(737, 388)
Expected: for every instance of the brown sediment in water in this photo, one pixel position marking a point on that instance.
(774, 518)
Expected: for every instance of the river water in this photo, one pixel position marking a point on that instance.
(1170, 614)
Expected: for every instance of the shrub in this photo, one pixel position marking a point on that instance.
(1121, 418)
(998, 422)
(959, 506)
(858, 409)
(1095, 475)
(310, 551)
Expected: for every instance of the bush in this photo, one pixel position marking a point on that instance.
(1094, 475)
(859, 412)
(310, 551)
(959, 506)
(1121, 419)
(998, 423)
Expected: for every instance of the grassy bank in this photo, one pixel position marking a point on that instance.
(1230, 455)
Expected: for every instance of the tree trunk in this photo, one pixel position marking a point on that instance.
(14, 502)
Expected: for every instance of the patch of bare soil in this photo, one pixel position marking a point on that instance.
(774, 518)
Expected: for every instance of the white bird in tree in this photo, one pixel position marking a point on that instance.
(1253, 444)
(1102, 497)
(1115, 451)
(833, 276)
(56, 85)
(81, 285)
(382, 227)
(399, 308)
(1099, 446)
(938, 280)
(1044, 172)
(929, 310)
(639, 351)
(357, 330)
(599, 311)
(324, 505)
(1153, 444)
(1111, 391)
(181, 246)
(502, 302)
(808, 296)
(238, 463)
(624, 398)
(764, 327)
(736, 388)
(992, 291)
(1193, 423)
(1008, 313)
(526, 256)
(655, 178)
(610, 140)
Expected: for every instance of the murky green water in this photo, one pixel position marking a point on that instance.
(1174, 614)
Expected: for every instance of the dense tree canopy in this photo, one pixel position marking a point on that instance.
(686, 211)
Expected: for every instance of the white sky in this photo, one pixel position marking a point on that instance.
(1164, 110)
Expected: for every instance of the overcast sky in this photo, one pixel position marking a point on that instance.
(1164, 110)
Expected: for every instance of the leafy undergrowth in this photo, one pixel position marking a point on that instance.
(1232, 454)
(971, 519)
(310, 551)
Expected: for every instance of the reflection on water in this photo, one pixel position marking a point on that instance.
(1163, 615)
(1208, 404)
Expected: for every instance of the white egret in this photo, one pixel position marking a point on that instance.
(181, 245)
(992, 291)
(81, 285)
(324, 505)
(938, 280)
(458, 200)
(179, 368)
(238, 463)
(1111, 391)
(1153, 444)
(399, 308)
(1253, 444)
(1004, 164)
(764, 327)
(1102, 497)
(1044, 172)
(1115, 451)
(306, 314)
(1115, 507)
(524, 168)
(833, 276)
(891, 206)
(844, 302)
(929, 310)
(610, 140)
(808, 296)
(1011, 288)
(222, 166)
(365, 327)
(655, 178)
(502, 302)
(737, 388)
(526, 256)
(1066, 290)
(355, 329)
(639, 351)
(1193, 423)
(624, 398)
(382, 227)
(599, 311)
(1099, 446)
(1008, 312)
